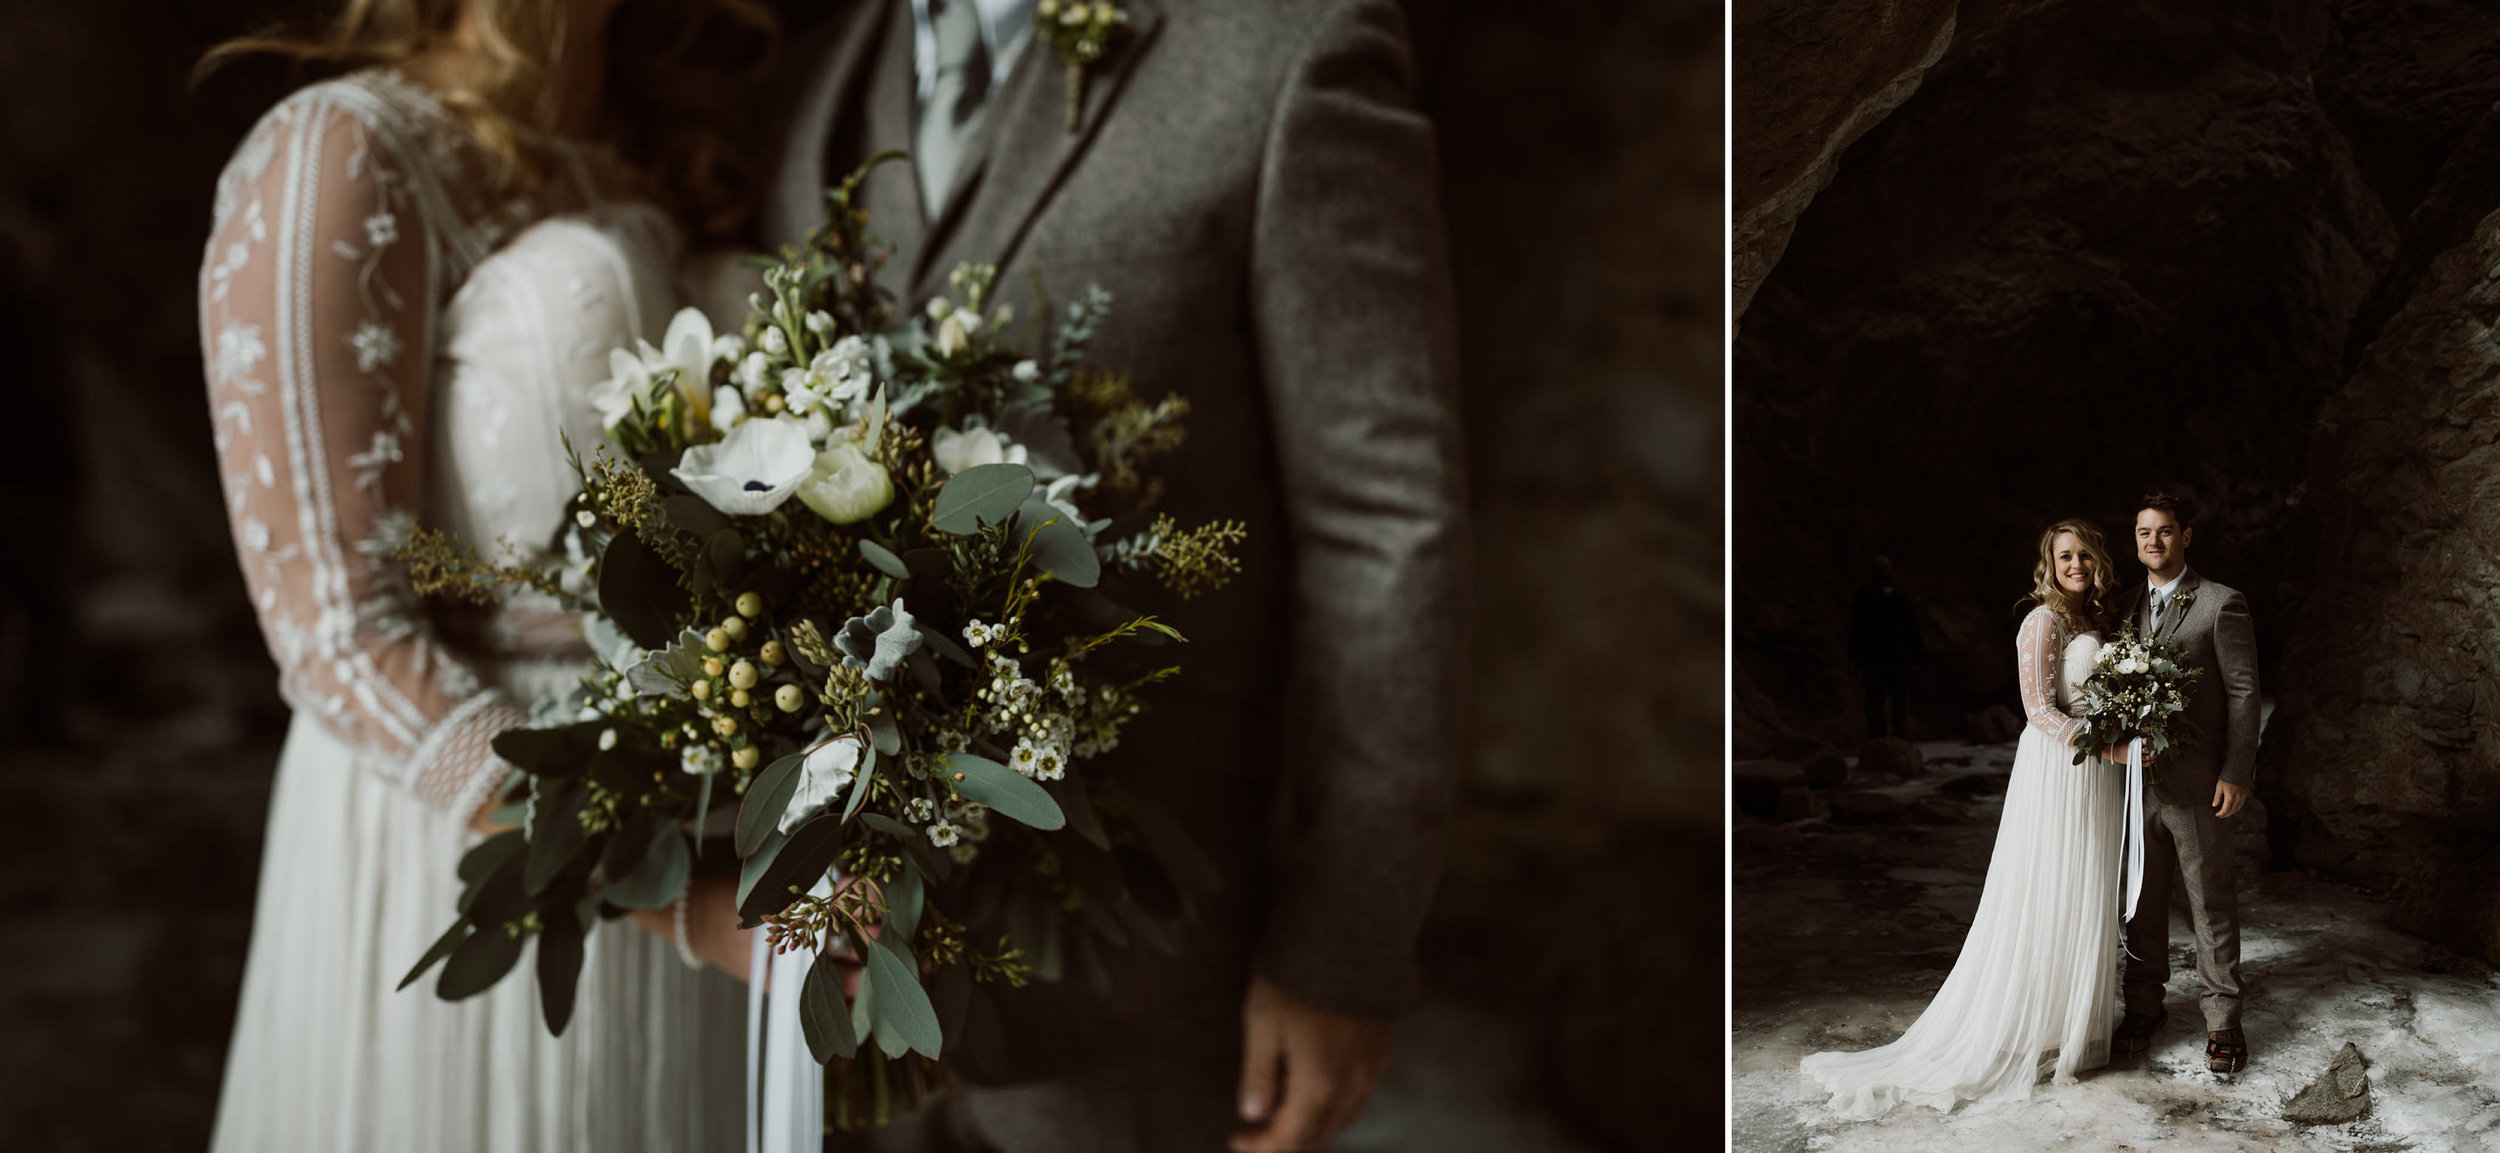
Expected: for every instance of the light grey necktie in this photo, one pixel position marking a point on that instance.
(953, 109)
(2161, 600)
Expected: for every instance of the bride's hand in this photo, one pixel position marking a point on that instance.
(712, 931)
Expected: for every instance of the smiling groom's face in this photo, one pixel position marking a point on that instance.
(2161, 542)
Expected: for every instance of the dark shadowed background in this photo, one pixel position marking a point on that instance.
(2004, 261)
(1576, 945)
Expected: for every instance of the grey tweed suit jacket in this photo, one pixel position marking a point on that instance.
(1254, 186)
(2215, 633)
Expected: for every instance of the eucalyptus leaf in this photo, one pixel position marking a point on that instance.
(727, 551)
(442, 947)
(751, 869)
(661, 877)
(946, 647)
(555, 836)
(822, 1016)
(501, 896)
(692, 514)
(864, 1006)
(983, 493)
(1004, 790)
(478, 963)
(901, 1002)
(906, 896)
(885, 735)
(638, 590)
(933, 861)
(482, 858)
(626, 846)
(866, 772)
(800, 863)
(1079, 809)
(950, 993)
(559, 967)
(551, 752)
(1059, 546)
(883, 559)
(768, 797)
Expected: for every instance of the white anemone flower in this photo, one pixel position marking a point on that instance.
(751, 471)
(823, 777)
(976, 444)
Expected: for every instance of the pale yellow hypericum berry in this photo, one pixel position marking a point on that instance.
(725, 725)
(742, 675)
(736, 627)
(772, 652)
(746, 758)
(712, 666)
(700, 690)
(717, 640)
(789, 698)
(750, 605)
(739, 698)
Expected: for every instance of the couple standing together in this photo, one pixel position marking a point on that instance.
(416, 272)
(2037, 983)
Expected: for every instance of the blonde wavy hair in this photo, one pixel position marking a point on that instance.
(2089, 610)
(679, 110)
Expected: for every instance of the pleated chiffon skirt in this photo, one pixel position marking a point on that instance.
(357, 879)
(2035, 988)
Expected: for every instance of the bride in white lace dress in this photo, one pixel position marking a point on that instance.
(2034, 989)
(401, 312)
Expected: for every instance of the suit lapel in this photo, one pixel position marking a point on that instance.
(1024, 149)
(2177, 611)
(798, 201)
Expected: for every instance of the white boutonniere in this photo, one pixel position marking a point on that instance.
(1080, 33)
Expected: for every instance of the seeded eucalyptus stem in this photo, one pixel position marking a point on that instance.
(1076, 94)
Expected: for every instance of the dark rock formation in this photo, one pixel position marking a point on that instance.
(2386, 733)
(1757, 784)
(1892, 755)
(2340, 1095)
(1865, 808)
(1810, 79)
(1824, 767)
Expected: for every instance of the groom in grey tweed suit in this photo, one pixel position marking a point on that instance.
(1255, 187)
(2192, 793)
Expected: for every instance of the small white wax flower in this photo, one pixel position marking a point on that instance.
(607, 739)
(1026, 371)
(820, 323)
(699, 758)
(755, 371)
(586, 518)
(952, 336)
(944, 833)
(775, 341)
(729, 346)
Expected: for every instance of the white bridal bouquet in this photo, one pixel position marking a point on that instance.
(842, 571)
(2138, 688)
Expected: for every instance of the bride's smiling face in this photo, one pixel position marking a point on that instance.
(2073, 565)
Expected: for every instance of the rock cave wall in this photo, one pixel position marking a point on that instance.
(2235, 250)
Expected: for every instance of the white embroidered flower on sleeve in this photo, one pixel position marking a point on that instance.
(376, 346)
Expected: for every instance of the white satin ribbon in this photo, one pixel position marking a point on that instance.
(785, 1085)
(2132, 842)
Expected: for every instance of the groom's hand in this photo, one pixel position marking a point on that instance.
(1305, 1072)
(2229, 798)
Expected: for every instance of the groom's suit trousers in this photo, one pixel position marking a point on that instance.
(2189, 843)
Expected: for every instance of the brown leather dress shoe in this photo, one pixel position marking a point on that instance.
(2226, 1051)
(2135, 1031)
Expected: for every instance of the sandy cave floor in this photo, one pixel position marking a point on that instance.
(1842, 933)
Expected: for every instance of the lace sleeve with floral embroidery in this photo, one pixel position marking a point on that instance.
(317, 298)
(2037, 653)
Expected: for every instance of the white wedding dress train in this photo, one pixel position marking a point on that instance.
(2036, 983)
(390, 347)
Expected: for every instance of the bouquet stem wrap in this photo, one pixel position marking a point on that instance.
(785, 1085)
(2131, 879)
